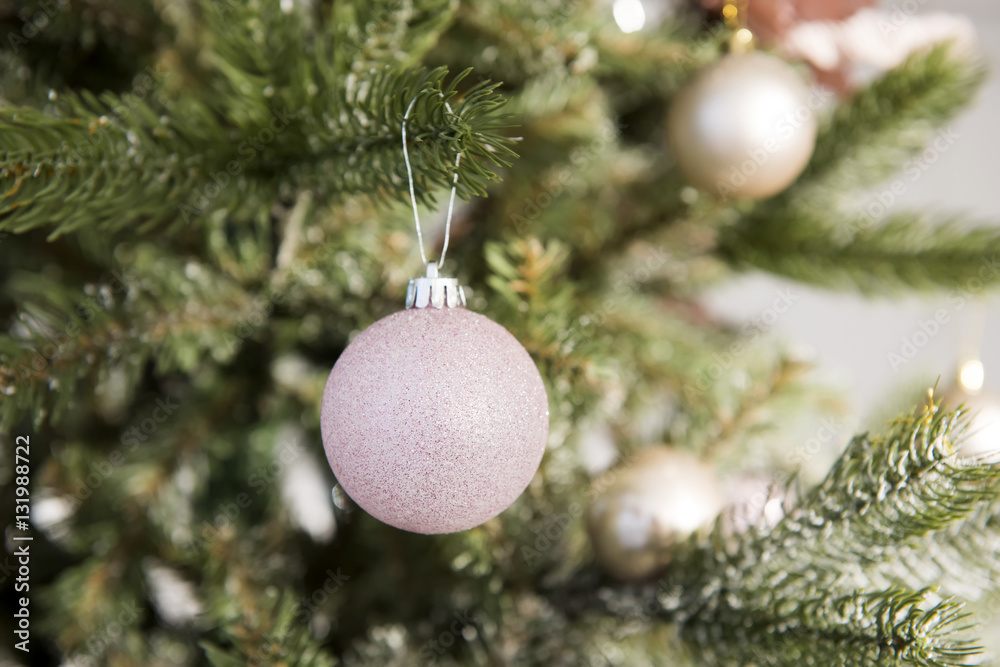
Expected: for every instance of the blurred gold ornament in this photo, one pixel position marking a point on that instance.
(982, 439)
(754, 502)
(744, 127)
(642, 510)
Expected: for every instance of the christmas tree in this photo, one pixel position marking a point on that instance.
(205, 202)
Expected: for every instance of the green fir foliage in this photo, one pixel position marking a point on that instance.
(202, 203)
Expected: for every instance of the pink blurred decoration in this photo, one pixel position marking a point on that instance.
(851, 53)
(849, 42)
(434, 420)
(770, 20)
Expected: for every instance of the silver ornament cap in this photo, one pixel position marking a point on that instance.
(434, 291)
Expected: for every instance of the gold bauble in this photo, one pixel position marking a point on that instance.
(641, 510)
(744, 127)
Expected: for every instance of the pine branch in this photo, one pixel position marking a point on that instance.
(276, 634)
(371, 33)
(111, 163)
(437, 135)
(297, 252)
(734, 435)
(62, 41)
(882, 126)
(543, 39)
(163, 308)
(884, 492)
(265, 125)
(84, 601)
(801, 234)
(897, 627)
(350, 40)
(905, 251)
(349, 103)
(662, 61)
(538, 307)
(961, 557)
(525, 39)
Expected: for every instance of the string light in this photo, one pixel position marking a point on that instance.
(971, 375)
(629, 15)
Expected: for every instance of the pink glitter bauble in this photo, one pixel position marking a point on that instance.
(434, 419)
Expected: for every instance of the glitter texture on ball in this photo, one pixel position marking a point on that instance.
(434, 420)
